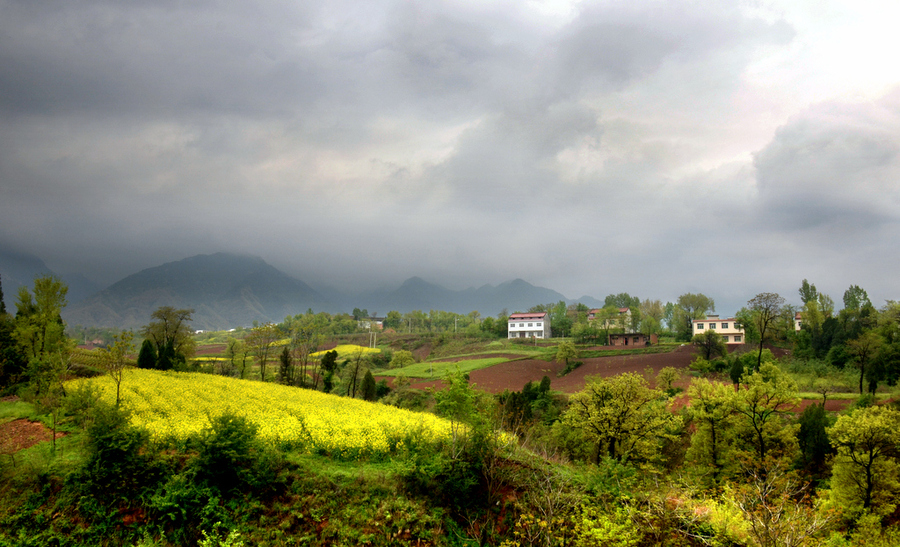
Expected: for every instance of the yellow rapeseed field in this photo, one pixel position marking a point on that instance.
(348, 350)
(173, 406)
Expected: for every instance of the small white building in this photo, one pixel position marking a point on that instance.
(529, 325)
(729, 328)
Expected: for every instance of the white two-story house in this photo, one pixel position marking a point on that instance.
(728, 328)
(529, 325)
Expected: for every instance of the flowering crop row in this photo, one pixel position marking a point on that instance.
(174, 406)
(347, 350)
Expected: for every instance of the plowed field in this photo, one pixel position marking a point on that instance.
(512, 375)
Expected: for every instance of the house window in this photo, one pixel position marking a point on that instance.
(699, 326)
(712, 325)
(737, 338)
(636, 340)
(530, 324)
(724, 325)
(538, 324)
(521, 324)
(725, 338)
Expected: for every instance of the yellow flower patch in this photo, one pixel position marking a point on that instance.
(173, 406)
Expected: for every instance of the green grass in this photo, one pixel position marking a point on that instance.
(437, 369)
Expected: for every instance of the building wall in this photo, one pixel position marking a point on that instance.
(633, 339)
(529, 326)
(724, 326)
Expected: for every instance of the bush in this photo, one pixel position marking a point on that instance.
(116, 462)
(231, 458)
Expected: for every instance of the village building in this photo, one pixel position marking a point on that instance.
(728, 328)
(529, 325)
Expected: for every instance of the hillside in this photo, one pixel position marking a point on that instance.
(225, 290)
(229, 290)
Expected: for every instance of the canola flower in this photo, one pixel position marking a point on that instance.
(347, 350)
(173, 406)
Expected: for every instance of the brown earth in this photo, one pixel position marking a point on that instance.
(512, 375)
(21, 434)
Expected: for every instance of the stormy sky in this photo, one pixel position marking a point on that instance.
(650, 147)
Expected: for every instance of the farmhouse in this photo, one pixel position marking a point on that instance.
(529, 325)
(624, 317)
(632, 339)
(729, 328)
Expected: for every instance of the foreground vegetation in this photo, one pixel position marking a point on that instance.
(277, 440)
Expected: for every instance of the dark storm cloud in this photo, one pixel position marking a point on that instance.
(834, 166)
(360, 143)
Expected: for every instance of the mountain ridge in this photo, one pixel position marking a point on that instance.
(230, 290)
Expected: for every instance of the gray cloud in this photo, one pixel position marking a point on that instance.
(596, 150)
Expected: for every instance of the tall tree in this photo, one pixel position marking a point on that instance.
(767, 396)
(307, 334)
(368, 387)
(12, 360)
(329, 365)
(286, 367)
(710, 344)
(808, 292)
(855, 298)
(115, 360)
(261, 342)
(689, 307)
(866, 469)
(565, 350)
(2, 302)
(863, 351)
(40, 330)
(171, 334)
(147, 356)
(622, 416)
(712, 410)
(765, 309)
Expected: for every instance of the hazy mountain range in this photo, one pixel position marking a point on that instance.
(230, 290)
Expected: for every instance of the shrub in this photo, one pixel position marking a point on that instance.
(231, 457)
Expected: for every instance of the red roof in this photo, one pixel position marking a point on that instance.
(535, 315)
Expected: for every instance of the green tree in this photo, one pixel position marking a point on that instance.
(393, 320)
(40, 330)
(261, 343)
(307, 335)
(712, 410)
(286, 367)
(13, 362)
(687, 308)
(765, 310)
(761, 404)
(565, 350)
(171, 334)
(622, 300)
(368, 387)
(622, 416)
(402, 358)
(147, 356)
(115, 360)
(813, 436)
(238, 353)
(808, 292)
(710, 344)
(856, 298)
(458, 403)
(865, 475)
(329, 365)
(863, 351)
